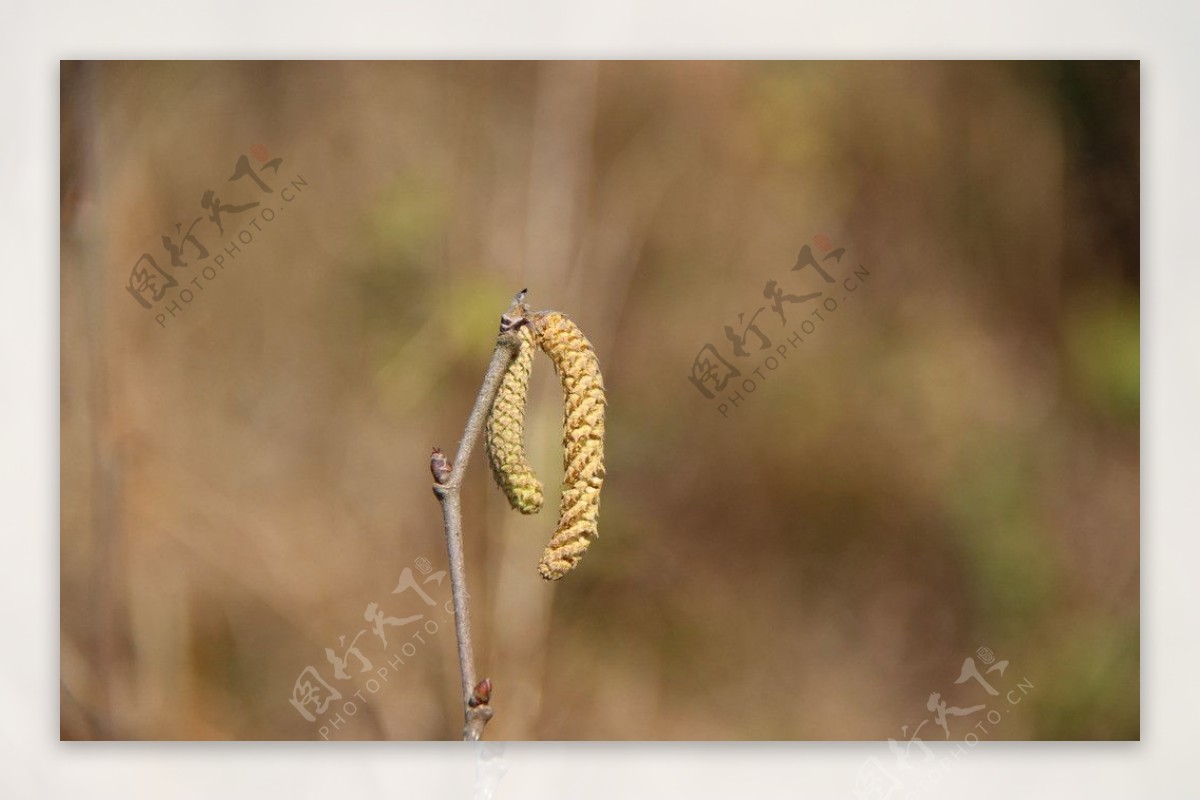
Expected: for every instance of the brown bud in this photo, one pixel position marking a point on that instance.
(482, 694)
(439, 465)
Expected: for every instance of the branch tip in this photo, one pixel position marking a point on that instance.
(516, 316)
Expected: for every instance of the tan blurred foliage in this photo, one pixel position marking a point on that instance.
(950, 462)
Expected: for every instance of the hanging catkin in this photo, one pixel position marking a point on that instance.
(583, 440)
(505, 438)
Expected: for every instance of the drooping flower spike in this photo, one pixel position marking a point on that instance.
(584, 404)
(505, 436)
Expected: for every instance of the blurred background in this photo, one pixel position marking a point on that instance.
(945, 469)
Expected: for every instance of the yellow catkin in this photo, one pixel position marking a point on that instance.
(505, 438)
(583, 441)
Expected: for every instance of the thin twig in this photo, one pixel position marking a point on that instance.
(477, 710)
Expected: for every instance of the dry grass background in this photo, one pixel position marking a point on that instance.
(952, 462)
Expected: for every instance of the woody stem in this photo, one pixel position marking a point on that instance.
(477, 710)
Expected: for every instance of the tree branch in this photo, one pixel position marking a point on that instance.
(477, 710)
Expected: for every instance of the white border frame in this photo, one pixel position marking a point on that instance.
(36, 35)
